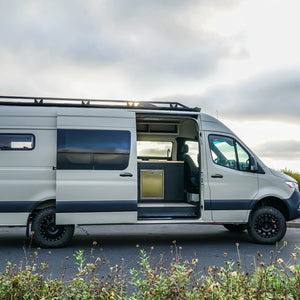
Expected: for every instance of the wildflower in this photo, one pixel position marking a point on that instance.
(174, 242)
(137, 245)
(293, 269)
(95, 243)
(214, 286)
(294, 256)
(186, 262)
(195, 261)
(222, 270)
(209, 270)
(225, 254)
(112, 295)
(234, 274)
(280, 261)
(152, 248)
(262, 264)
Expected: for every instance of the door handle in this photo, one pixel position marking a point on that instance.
(217, 176)
(126, 174)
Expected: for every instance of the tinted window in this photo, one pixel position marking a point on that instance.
(92, 149)
(229, 153)
(16, 141)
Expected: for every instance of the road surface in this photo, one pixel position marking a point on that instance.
(114, 242)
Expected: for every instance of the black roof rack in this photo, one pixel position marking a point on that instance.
(76, 102)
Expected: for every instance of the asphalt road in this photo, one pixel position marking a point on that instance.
(207, 243)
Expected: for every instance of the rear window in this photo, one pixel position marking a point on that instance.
(147, 149)
(17, 141)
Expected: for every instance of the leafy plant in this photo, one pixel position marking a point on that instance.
(293, 174)
(155, 279)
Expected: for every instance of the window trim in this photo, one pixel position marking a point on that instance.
(19, 149)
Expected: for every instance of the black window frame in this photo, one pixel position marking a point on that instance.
(85, 144)
(5, 148)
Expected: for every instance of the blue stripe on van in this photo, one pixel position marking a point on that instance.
(71, 206)
(243, 204)
(17, 206)
(95, 206)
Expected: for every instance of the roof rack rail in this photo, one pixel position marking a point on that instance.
(76, 102)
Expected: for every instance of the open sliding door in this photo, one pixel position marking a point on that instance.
(96, 177)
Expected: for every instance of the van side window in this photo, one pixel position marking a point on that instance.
(92, 149)
(17, 141)
(227, 152)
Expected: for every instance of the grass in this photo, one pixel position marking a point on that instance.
(175, 279)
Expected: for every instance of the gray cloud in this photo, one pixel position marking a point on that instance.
(280, 150)
(153, 39)
(273, 96)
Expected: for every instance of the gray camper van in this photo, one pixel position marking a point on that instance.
(72, 161)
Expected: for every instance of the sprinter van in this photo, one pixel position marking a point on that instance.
(65, 162)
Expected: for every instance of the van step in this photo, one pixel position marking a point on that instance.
(167, 210)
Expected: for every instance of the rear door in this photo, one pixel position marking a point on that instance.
(96, 170)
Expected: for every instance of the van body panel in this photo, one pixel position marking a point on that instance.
(14, 218)
(81, 191)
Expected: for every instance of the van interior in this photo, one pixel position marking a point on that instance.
(168, 167)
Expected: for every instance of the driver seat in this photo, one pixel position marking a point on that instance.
(191, 172)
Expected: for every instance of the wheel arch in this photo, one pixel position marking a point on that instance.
(37, 207)
(272, 202)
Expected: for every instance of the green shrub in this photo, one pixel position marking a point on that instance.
(176, 279)
(293, 174)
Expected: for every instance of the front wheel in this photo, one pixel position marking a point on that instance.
(267, 225)
(46, 233)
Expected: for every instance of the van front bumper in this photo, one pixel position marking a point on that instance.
(293, 204)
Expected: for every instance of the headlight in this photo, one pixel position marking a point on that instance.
(292, 185)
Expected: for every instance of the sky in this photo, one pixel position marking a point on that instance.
(236, 59)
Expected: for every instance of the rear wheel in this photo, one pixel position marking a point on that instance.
(235, 227)
(267, 225)
(46, 233)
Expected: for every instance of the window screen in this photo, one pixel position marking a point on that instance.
(92, 149)
(17, 141)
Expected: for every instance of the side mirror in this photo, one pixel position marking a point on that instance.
(253, 164)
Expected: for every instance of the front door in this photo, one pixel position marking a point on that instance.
(96, 177)
(231, 183)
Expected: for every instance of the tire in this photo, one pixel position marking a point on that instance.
(46, 233)
(267, 225)
(235, 227)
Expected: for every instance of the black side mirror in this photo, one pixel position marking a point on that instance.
(253, 164)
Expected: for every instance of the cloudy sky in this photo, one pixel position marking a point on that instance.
(236, 59)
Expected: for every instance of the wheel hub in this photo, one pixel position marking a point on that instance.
(267, 226)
